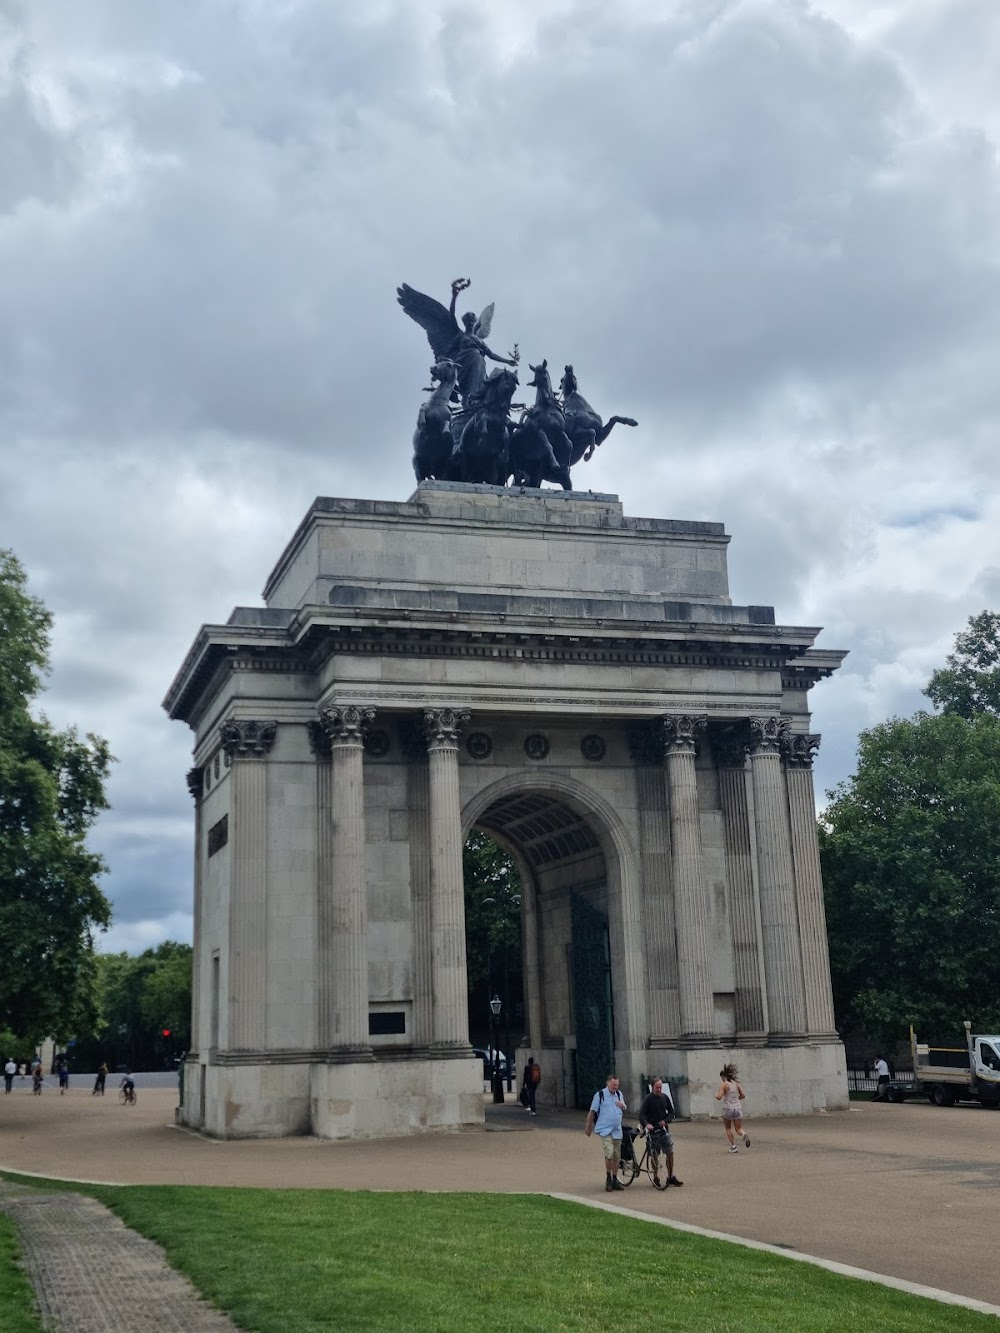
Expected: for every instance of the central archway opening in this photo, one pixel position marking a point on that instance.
(542, 849)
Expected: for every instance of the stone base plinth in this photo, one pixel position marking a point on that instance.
(333, 1101)
(785, 1080)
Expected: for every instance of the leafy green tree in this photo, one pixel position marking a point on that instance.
(970, 683)
(911, 863)
(139, 998)
(493, 935)
(51, 792)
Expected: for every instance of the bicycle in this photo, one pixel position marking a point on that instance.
(645, 1159)
(127, 1097)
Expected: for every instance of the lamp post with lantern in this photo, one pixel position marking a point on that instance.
(496, 1004)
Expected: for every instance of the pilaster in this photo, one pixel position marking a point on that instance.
(820, 1022)
(779, 921)
(729, 747)
(647, 749)
(342, 907)
(450, 1023)
(246, 745)
(697, 1009)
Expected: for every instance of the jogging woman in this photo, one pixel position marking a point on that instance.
(731, 1096)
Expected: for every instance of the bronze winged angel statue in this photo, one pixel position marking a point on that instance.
(464, 344)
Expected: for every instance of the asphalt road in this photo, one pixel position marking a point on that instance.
(909, 1190)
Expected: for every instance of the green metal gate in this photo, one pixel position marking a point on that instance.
(592, 1002)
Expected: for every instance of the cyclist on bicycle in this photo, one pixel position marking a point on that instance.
(656, 1113)
(127, 1086)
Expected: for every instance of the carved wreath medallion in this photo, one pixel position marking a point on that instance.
(536, 746)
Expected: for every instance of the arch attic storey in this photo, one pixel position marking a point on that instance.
(576, 683)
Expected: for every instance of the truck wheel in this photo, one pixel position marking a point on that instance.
(895, 1095)
(938, 1095)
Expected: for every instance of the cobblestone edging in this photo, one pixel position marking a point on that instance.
(92, 1274)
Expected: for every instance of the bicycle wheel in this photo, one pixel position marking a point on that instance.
(122, 1097)
(628, 1169)
(133, 1099)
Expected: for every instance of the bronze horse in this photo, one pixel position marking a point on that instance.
(584, 427)
(432, 442)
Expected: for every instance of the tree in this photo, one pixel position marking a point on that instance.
(51, 792)
(911, 863)
(492, 931)
(970, 683)
(144, 1004)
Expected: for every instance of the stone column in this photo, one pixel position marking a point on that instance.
(420, 883)
(196, 786)
(779, 922)
(729, 746)
(450, 1027)
(246, 746)
(820, 1022)
(690, 890)
(343, 908)
(646, 747)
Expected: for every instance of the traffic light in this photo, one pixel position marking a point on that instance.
(166, 1032)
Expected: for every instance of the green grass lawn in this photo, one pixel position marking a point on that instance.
(17, 1301)
(297, 1261)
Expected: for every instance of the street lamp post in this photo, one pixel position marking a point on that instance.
(495, 1006)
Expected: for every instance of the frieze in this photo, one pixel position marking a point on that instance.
(767, 734)
(247, 740)
(800, 750)
(442, 725)
(479, 745)
(346, 725)
(593, 748)
(681, 732)
(536, 746)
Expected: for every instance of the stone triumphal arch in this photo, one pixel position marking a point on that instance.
(576, 683)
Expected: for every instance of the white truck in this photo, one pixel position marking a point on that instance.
(949, 1074)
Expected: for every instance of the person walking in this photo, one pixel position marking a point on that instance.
(37, 1076)
(731, 1096)
(605, 1116)
(656, 1113)
(9, 1070)
(63, 1071)
(882, 1075)
(102, 1073)
(532, 1078)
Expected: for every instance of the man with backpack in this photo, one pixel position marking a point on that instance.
(532, 1078)
(605, 1116)
(656, 1113)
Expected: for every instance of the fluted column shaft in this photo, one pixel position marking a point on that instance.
(450, 1028)
(246, 745)
(690, 890)
(658, 904)
(342, 907)
(778, 918)
(420, 899)
(195, 781)
(820, 1020)
(749, 1001)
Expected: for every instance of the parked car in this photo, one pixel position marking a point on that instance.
(487, 1059)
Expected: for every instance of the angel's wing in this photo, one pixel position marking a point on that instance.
(485, 322)
(436, 320)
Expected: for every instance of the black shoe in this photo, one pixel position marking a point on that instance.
(608, 1186)
(656, 1182)
(674, 1181)
(616, 1183)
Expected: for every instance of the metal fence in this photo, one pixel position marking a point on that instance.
(866, 1080)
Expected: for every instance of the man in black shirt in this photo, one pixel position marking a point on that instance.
(656, 1113)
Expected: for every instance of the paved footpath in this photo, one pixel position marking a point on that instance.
(91, 1274)
(909, 1191)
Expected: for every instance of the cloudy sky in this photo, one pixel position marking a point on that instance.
(769, 229)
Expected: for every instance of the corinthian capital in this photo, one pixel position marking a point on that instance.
(800, 750)
(247, 740)
(195, 782)
(730, 743)
(681, 732)
(346, 726)
(442, 725)
(767, 734)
